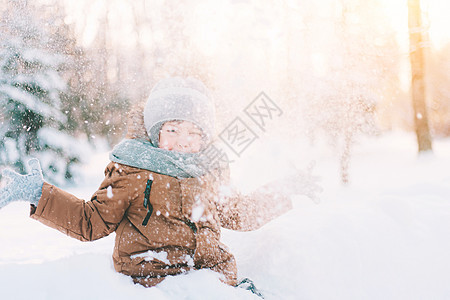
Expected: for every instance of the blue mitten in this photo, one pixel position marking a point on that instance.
(23, 187)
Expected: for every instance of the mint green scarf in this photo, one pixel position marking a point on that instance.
(142, 154)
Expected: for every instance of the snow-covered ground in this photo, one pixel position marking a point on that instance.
(385, 236)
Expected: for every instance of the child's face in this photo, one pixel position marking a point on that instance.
(181, 136)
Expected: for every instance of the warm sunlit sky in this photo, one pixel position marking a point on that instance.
(216, 21)
(435, 17)
(87, 15)
(438, 20)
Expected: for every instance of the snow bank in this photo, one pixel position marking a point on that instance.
(383, 237)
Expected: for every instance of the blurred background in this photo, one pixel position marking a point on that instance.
(338, 69)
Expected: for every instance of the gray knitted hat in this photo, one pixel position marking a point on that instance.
(179, 98)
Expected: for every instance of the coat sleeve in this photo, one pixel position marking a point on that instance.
(86, 221)
(250, 212)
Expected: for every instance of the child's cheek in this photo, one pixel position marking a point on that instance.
(166, 144)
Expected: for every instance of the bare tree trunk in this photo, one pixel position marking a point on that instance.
(417, 72)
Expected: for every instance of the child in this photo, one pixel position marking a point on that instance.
(161, 201)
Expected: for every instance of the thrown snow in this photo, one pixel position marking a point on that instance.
(383, 237)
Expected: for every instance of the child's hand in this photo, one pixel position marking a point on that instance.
(304, 183)
(23, 187)
(298, 182)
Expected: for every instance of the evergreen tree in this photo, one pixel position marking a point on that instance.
(31, 87)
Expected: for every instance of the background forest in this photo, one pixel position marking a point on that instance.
(70, 70)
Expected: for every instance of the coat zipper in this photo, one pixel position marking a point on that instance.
(147, 203)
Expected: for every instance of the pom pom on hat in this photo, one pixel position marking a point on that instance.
(177, 98)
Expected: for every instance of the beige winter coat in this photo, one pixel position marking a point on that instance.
(171, 229)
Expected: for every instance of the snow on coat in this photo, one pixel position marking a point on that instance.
(182, 226)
